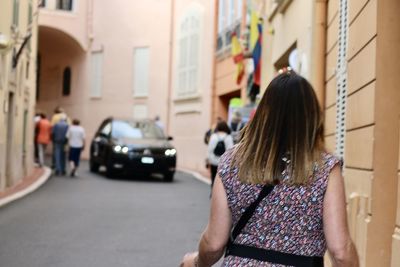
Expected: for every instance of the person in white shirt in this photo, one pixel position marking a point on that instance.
(159, 123)
(220, 141)
(76, 142)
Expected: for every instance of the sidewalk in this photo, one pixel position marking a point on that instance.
(26, 186)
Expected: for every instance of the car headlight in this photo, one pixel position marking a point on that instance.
(170, 152)
(121, 149)
(117, 148)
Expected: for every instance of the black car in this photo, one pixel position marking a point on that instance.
(132, 146)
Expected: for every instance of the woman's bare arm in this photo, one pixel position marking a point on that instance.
(340, 246)
(216, 235)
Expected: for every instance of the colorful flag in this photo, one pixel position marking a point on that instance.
(257, 56)
(237, 55)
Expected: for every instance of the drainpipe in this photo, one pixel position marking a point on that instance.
(318, 49)
(90, 20)
(171, 49)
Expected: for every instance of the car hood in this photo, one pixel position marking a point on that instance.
(144, 143)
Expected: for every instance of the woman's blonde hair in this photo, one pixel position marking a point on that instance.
(288, 123)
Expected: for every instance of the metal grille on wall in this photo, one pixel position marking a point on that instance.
(341, 78)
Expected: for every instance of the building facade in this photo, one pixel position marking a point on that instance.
(349, 50)
(231, 17)
(362, 107)
(149, 60)
(95, 67)
(191, 76)
(18, 46)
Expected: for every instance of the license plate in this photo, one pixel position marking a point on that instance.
(147, 160)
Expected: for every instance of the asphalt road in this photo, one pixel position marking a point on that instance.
(95, 221)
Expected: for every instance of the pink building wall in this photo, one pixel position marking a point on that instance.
(191, 116)
(116, 28)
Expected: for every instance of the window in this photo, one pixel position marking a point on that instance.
(136, 130)
(141, 64)
(221, 15)
(30, 10)
(106, 130)
(30, 13)
(64, 5)
(229, 21)
(189, 52)
(42, 3)
(27, 70)
(16, 13)
(96, 74)
(239, 10)
(231, 13)
(66, 89)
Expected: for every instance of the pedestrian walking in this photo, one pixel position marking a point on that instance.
(57, 116)
(210, 131)
(220, 141)
(59, 139)
(43, 137)
(36, 120)
(236, 125)
(279, 189)
(76, 142)
(159, 123)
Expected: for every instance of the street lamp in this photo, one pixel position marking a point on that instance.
(5, 43)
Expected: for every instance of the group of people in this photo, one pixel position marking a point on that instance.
(221, 138)
(278, 197)
(61, 132)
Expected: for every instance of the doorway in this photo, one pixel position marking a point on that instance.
(9, 139)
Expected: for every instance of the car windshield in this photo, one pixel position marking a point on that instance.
(136, 130)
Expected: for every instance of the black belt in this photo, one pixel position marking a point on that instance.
(260, 254)
(272, 256)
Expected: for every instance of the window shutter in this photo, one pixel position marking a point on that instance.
(189, 53)
(96, 74)
(341, 78)
(141, 64)
(221, 15)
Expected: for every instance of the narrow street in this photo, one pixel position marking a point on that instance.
(94, 221)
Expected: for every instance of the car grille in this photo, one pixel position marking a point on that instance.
(149, 152)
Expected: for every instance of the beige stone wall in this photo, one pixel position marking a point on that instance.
(396, 234)
(371, 125)
(282, 31)
(16, 161)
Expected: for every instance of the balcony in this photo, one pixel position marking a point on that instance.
(70, 17)
(224, 40)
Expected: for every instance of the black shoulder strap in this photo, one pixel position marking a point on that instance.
(249, 212)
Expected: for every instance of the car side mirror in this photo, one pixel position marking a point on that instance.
(170, 138)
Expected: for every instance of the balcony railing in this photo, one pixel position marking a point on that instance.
(224, 39)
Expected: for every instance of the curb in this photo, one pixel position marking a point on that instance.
(42, 179)
(197, 175)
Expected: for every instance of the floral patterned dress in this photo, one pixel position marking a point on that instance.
(288, 220)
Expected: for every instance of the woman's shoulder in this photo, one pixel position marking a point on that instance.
(325, 165)
(329, 159)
